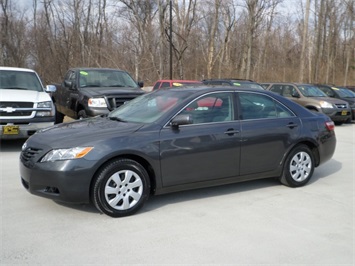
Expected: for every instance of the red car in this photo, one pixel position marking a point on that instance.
(168, 83)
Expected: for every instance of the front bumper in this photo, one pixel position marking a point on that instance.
(338, 115)
(353, 113)
(91, 112)
(24, 130)
(66, 181)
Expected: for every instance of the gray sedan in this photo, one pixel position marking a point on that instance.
(176, 139)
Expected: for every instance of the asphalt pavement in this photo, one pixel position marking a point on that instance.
(258, 222)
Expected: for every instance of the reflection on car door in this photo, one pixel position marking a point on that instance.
(268, 130)
(206, 150)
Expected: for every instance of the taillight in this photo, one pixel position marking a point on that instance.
(330, 125)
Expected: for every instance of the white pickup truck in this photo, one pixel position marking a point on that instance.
(25, 105)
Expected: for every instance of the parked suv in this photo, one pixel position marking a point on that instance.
(314, 99)
(246, 83)
(340, 93)
(25, 106)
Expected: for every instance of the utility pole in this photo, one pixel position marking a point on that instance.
(171, 39)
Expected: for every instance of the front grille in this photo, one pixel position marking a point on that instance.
(16, 104)
(29, 154)
(115, 102)
(11, 109)
(341, 105)
(15, 113)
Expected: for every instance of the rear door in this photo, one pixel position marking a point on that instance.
(268, 129)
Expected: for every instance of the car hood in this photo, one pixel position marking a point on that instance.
(82, 132)
(99, 91)
(329, 99)
(13, 95)
(349, 100)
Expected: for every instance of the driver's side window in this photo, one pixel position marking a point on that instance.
(216, 107)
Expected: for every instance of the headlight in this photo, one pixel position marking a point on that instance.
(326, 105)
(46, 105)
(97, 102)
(66, 154)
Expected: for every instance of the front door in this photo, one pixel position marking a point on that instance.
(206, 150)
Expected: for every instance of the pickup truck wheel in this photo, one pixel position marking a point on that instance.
(82, 114)
(59, 117)
(120, 188)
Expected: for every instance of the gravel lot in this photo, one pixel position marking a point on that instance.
(258, 222)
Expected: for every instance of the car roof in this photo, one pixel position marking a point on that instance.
(96, 68)
(206, 88)
(17, 69)
(291, 83)
(179, 80)
(231, 79)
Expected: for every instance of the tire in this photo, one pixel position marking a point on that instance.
(298, 167)
(120, 188)
(59, 117)
(82, 114)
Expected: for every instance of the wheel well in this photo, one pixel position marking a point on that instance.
(312, 108)
(314, 150)
(139, 160)
(79, 108)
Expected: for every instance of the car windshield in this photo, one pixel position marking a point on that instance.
(311, 91)
(185, 83)
(148, 108)
(345, 93)
(19, 80)
(106, 78)
(248, 85)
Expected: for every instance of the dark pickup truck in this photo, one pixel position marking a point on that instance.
(87, 92)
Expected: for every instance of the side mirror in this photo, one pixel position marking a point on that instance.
(295, 94)
(179, 120)
(50, 88)
(67, 83)
(141, 84)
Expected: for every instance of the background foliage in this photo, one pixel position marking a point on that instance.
(263, 40)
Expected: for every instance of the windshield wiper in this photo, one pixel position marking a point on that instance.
(118, 85)
(90, 86)
(114, 118)
(15, 88)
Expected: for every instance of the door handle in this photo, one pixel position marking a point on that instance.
(292, 125)
(231, 132)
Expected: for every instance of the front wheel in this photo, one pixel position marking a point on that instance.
(82, 114)
(120, 188)
(59, 117)
(298, 167)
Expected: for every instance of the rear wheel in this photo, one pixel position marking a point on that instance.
(298, 167)
(121, 188)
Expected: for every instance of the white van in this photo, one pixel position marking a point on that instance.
(25, 106)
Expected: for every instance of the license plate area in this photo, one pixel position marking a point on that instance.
(10, 130)
(344, 112)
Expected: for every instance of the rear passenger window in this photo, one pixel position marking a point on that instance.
(257, 106)
(276, 89)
